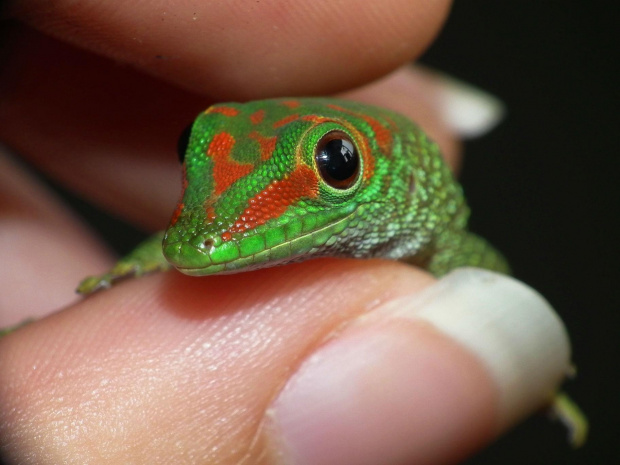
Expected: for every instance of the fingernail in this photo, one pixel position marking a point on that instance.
(509, 326)
(397, 380)
(467, 110)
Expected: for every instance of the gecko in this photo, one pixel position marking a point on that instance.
(276, 181)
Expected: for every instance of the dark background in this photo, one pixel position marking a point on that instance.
(543, 188)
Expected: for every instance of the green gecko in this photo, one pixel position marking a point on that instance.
(276, 181)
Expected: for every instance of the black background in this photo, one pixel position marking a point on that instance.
(543, 189)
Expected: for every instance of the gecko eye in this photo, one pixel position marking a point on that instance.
(183, 142)
(337, 160)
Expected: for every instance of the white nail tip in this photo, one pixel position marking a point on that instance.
(507, 324)
(467, 110)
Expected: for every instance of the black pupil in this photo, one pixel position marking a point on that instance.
(338, 161)
(183, 142)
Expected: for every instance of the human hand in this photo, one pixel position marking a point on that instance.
(328, 361)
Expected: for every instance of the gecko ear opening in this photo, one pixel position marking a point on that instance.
(183, 142)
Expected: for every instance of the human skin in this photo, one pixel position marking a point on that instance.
(173, 369)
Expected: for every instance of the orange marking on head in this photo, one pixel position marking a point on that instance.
(177, 213)
(257, 116)
(393, 125)
(285, 120)
(226, 236)
(382, 134)
(369, 161)
(291, 103)
(315, 118)
(225, 170)
(275, 199)
(210, 211)
(267, 144)
(226, 111)
(337, 108)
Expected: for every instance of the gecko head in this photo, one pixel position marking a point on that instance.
(271, 182)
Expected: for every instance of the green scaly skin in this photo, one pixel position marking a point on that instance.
(404, 204)
(255, 197)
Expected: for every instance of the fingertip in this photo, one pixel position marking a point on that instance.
(193, 361)
(241, 50)
(510, 328)
(423, 379)
(391, 393)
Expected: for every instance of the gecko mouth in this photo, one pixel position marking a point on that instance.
(234, 257)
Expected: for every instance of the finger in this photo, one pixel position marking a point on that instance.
(45, 250)
(245, 50)
(110, 133)
(424, 379)
(298, 367)
(102, 130)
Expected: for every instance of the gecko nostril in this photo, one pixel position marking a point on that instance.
(209, 243)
